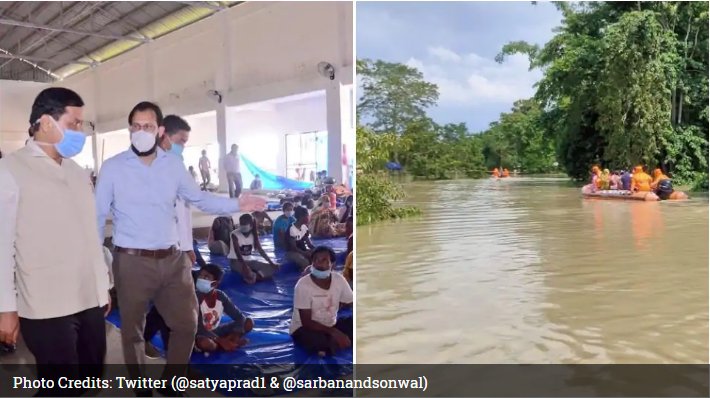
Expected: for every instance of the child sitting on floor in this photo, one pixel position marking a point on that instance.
(264, 223)
(245, 240)
(212, 303)
(298, 240)
(282, 225)
(317, 298)
(218, 238)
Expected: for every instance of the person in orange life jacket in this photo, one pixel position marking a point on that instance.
(245, 240)
(212, 334)
(317, 299)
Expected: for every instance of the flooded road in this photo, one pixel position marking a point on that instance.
(525, 271)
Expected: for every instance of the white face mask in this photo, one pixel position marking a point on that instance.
(143, 141)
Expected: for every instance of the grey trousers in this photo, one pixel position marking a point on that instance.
(168, 284)
(218, 247)
(299, 259)
(259, 267)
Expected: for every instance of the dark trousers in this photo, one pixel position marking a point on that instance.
(78, 340)
(234, 180)
(155, 323)
(314, 341)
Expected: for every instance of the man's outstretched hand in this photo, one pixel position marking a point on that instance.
(249, 203)
(9, 327)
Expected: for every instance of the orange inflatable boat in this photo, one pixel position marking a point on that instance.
(588, 193)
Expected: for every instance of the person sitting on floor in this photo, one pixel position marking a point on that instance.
(212, 334)
(332, 197)
(264, 223)
(218, 240)
(317, 298)
(256, 184)
(347, 211)
(282, 224)
(324, 223)
(298, 240)
(245, 240)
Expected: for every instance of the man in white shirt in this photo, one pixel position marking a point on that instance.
(177, 133)
(54, 280)
(205, 167)
(234, 177)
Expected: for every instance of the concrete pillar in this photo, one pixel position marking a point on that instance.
(223, 84)
(334, 122)
(149, 71)
(95, 120)
(222, 140)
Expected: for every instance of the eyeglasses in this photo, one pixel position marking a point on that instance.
(148, 127)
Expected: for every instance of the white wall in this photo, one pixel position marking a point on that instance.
(251, 52)
(261, 132)
(16, 99)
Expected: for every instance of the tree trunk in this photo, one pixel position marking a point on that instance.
(680, 108)
(673, 107)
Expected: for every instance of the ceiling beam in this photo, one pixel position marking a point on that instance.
(204, 4)
(11, 22)
(40, 59)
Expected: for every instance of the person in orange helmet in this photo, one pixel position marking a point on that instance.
(596, 180)
(640, 181)
(663, 187)
(495, 173)
(506, 173)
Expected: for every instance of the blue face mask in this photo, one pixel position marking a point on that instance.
(71, 144)
(318, 274)
(203, 285)
(177, 149)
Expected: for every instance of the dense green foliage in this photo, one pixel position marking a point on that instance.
(626, 83)
(375, 192)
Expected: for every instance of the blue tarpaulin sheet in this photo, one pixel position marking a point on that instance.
(269, 303)
(270, 181)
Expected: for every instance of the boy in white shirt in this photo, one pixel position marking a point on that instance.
(317, 298)
(298, 239)
(245, 241)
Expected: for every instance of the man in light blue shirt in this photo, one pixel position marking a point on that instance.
(140, 188)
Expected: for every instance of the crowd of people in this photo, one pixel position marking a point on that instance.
(633, 181)
(58, 281)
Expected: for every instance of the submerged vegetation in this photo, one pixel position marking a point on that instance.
(623, 83)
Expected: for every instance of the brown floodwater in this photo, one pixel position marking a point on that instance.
(524, 270)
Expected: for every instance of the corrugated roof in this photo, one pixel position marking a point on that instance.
(51, 40)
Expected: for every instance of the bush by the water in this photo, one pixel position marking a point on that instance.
(376, 195)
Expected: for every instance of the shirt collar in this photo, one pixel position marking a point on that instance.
(132, 155)
(35, 149)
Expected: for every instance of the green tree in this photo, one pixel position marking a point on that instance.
(393, 95)
(626, 82)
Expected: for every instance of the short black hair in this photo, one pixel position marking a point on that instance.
(174, 123)
(146, 106)
(326, 249)
(287, 204)
(214, 270)
(53, 102)
(300, 211)
(245, 219)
